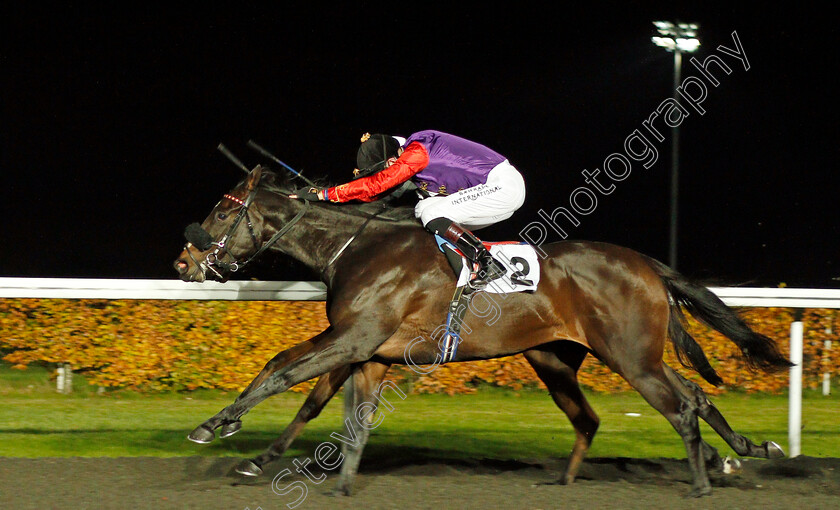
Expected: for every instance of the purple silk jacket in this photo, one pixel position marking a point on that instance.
(455, 163)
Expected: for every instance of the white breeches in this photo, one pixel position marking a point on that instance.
(479, 206)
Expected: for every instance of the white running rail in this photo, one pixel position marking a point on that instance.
(95, 288)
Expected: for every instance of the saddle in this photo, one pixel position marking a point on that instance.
(522, 274)
(520, 261)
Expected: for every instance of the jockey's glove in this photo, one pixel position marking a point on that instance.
(308, 193)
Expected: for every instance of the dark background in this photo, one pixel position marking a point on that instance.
(111, 119)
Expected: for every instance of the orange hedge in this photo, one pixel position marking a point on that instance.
(185, 345)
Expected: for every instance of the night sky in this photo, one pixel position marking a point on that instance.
(111, 121)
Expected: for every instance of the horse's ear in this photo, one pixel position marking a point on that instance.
(254, 177)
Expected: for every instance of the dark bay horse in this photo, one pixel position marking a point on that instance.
(385, 302)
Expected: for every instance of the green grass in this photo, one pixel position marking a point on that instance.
(494, 423)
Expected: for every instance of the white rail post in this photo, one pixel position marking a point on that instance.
(64, 381)
(826, 383)
(59, 380)
(795, 406)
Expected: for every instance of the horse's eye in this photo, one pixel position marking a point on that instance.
(221, 216)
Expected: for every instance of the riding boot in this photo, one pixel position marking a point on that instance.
(489, 268)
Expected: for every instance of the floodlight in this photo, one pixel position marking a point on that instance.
(680, 38)
(687, 45)
(665, 42)
(664, 26)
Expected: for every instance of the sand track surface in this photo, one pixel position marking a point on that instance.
(209, 483)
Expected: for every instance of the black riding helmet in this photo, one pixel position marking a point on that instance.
(374, 152)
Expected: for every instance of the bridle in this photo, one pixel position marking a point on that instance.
(214, 259)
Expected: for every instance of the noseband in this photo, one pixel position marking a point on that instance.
(214, 259)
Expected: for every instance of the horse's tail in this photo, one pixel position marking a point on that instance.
(759, 351)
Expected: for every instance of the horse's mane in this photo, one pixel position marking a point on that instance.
(387, 208)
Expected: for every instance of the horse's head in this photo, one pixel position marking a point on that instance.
(230, 237)
(216, 248)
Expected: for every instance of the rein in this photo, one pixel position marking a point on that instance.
(352, 238)
(214, 258)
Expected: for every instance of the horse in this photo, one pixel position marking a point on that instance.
(386, 300)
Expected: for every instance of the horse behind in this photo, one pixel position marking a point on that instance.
(386, 301)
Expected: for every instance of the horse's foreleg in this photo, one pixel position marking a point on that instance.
(558, 370)
(711, 415)
(331, 350)
(324, 390)
(203, 434)
(279, 361)
(360, 403)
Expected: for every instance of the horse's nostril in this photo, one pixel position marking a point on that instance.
(181, 266)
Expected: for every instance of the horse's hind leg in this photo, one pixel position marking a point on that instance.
(711, 415)
(324, 390)
(651, 381)
(558, 370)
(362, 396)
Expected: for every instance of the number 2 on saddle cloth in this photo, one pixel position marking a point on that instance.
(515, 281)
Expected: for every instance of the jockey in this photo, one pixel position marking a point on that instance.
(463, 185)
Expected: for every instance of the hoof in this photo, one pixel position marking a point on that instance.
(229, 429)
(338, 492)
(731, 465)
(248, 468)
(342, 488)
(559, 481)
(700, 492)
(774, 451)
(201, 435)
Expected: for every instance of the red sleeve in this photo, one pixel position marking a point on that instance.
(413, 159)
